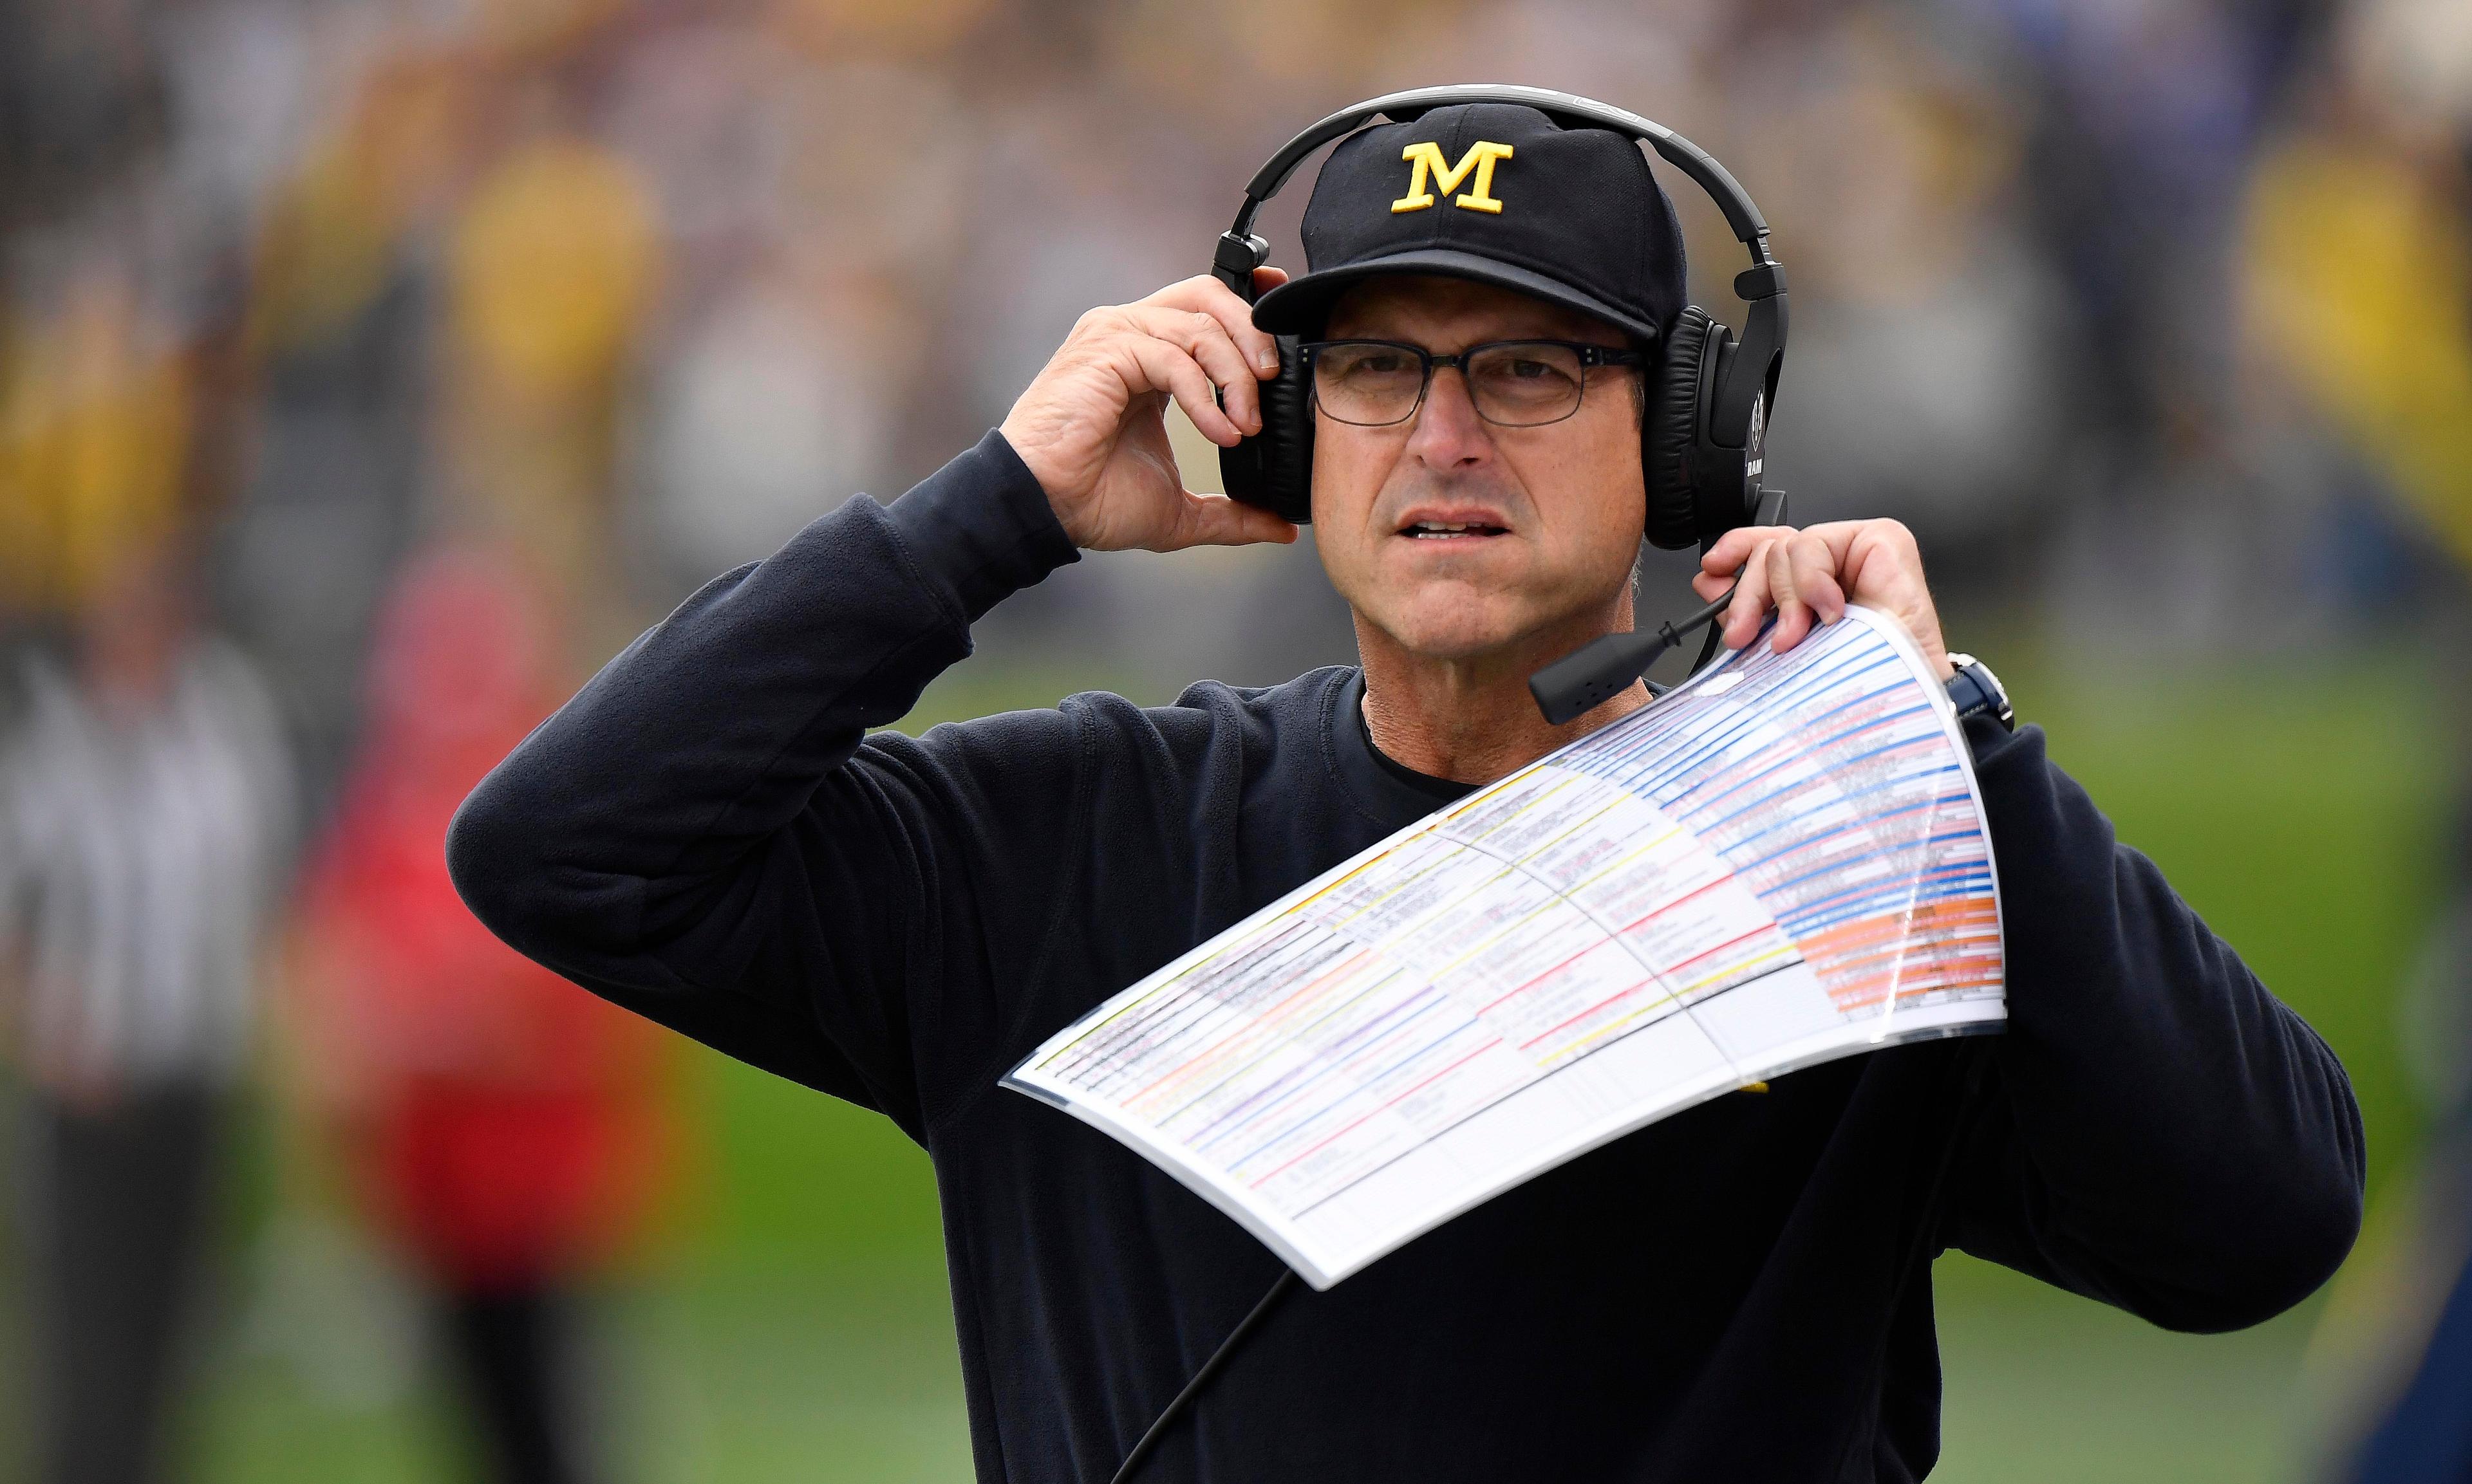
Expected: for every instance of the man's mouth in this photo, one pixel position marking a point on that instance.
(1451, 530)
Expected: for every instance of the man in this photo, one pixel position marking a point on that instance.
(146, 814)
(706, 835)
(502, 1128)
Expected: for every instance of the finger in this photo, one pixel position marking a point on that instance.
(1158, 365)
(1732, 550)
(1794, 615)
(1215, 520)
(1751, 601)
(1882, 566)
(1203, 337)
(1206, 295)
(1735, 547)
(1867, 564)
(1709, 584)
(1815, 576)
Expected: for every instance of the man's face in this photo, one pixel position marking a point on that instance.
(1553, 511)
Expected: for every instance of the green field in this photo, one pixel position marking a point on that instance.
(793, 1325)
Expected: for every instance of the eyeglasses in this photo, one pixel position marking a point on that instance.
(1513, 383)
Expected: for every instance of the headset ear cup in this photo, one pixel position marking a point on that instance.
(1274, 468)
(1670, 433)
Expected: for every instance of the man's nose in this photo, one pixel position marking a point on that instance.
(1448, 434)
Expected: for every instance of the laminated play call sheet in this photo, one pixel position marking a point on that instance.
(1782, 861)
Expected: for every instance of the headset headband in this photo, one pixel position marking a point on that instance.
(1750, 227)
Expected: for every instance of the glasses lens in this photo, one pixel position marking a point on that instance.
(1368, 383)
(1526, 382)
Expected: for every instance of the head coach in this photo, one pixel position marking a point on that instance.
(1491, 331)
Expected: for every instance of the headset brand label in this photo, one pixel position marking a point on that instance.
(1427, 160)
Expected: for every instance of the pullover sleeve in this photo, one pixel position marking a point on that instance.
(706, 835)
(2156, 1129)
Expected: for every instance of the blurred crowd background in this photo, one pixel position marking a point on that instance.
(371, 369)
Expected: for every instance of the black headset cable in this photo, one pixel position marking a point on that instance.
(1194, 1388)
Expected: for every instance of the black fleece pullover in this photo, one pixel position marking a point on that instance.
(708, 836)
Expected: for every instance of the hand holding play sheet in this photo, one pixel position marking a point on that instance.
(1781, 863)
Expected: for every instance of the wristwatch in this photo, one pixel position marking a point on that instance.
(1978, 693)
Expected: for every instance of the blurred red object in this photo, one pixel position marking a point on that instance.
(506, 1125)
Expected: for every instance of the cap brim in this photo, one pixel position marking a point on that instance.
(1301, 305)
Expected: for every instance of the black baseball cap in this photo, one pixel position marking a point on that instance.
(1500, 194)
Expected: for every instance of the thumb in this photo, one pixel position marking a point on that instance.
(1215, 520)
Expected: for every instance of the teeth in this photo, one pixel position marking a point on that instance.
(1424, 529)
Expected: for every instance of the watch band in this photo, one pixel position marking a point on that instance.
(1978, 693)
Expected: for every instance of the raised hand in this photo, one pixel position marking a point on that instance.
(1092, 425)
(1809, 576)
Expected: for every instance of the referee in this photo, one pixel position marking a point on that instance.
(708, 835)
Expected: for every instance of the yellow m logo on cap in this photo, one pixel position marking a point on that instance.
(1427, 158)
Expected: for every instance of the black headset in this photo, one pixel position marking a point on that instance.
(1709, 397)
